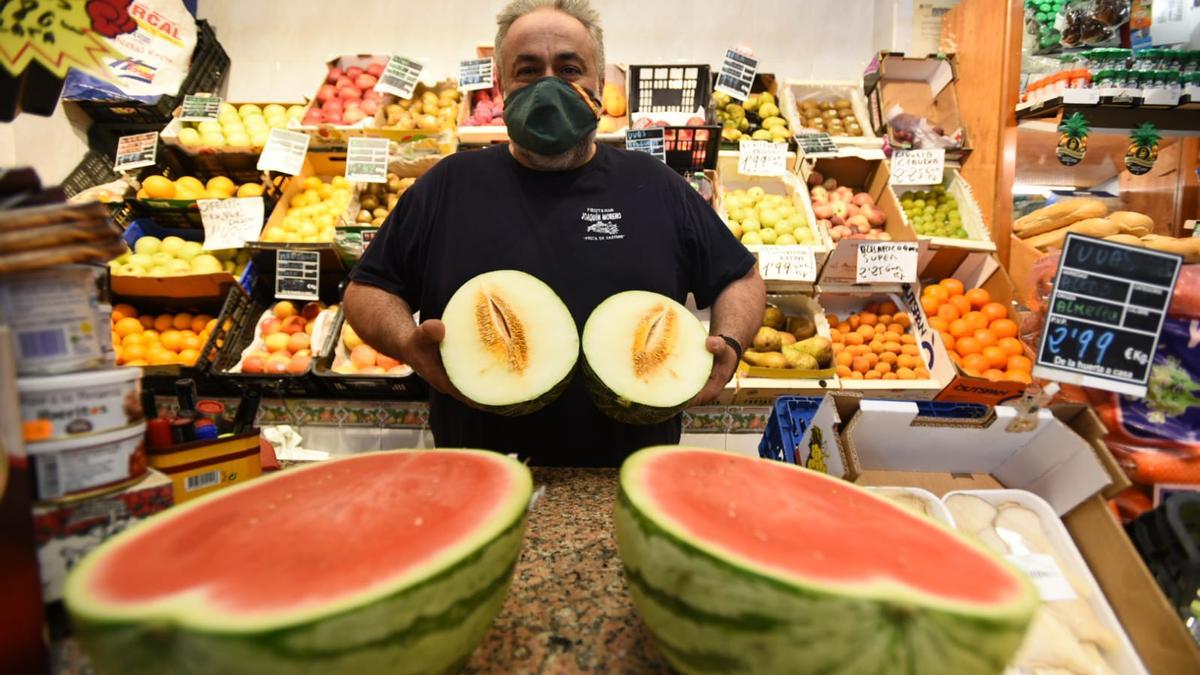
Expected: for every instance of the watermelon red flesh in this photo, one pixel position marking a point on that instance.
(820, 520)
(385, 562)
(230, 549)
(741, 565)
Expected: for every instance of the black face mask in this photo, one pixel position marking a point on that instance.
(550, 116)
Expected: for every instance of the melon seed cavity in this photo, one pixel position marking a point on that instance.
(653, 340)
(501, 330)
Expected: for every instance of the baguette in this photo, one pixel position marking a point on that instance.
(1132, 222)
(1058, 215)
(1188, 247)
(1126, 239)
(1092, 227)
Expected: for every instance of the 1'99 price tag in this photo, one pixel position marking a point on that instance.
(787, 263)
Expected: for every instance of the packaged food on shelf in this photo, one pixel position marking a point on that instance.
(81, 465)
(1074, 629)
(53, 313)
(913, 103)
(836, 108)
(56, 407)
(946, 214)
(240, 128)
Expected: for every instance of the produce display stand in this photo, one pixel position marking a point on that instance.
(896, 398)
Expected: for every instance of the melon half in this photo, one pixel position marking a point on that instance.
(511, 344)
(644, 357)
(386, 562)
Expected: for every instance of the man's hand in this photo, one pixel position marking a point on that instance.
(724, 365)
(419, 349)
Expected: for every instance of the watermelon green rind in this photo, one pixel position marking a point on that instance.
(440, 610)
(713, 612)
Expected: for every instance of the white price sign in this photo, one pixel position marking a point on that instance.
(200, 108)
(284, 152)
(136, 151)
(787, 263)
(297, 275)
(475, 74)
(762, 158)
(737, 74)
(367, 160)
(886, 262)
(230, 223)
(918, 167)
(400, 77)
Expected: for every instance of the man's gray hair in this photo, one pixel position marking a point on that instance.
(580, 9)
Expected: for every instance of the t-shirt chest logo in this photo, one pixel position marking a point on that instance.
(602, 224)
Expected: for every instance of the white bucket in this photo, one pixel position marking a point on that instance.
(76, 465)
(53, 314)
(63, 406)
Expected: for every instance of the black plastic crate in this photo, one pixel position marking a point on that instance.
(692, 148)
(95, 169)
(669, 88)
(206, 74)
(338, 385)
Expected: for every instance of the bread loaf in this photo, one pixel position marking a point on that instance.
(1126, 239)
(1092, 227)
(1132, 222)
(1058, 215)
(1188, 247)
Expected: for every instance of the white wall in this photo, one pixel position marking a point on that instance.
(278, 47)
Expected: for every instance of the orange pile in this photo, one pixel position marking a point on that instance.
(166, 339)
(980, 337)
(875, 344)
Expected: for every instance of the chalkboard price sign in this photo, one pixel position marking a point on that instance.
(1105, 314)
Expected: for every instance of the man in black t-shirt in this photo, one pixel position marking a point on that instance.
(534, 205)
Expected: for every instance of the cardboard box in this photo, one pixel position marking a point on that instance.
(324, 165)
(761, 386)
(979, 238)
(976, 270)
(870, 176)
(923, 86)
(331, 136)
(170, 134)
(1061, 459)
(200, 467)
(65, 532)
(795, 92)
(185, 287)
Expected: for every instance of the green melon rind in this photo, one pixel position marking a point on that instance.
(535, 404)
(711, 614)
(622, 409)
(430, 626)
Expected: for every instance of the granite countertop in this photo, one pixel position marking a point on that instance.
(568, 609)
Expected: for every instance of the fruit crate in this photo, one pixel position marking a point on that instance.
(680, 91)
(207, 74)
(790, 419)
(95, 169)
(338, 385)
(103, 138)
(185, 213)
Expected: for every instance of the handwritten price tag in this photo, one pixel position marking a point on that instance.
(918, 167)
(136, 151)
(475, 74)
(367, 160)
(762, 158)
(886, 262)
(400, 77)
(284, 152)
(787, 263)
(230, 223)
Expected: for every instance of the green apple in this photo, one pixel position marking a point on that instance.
(209, 127)
(228, 266)
(803, 235)
(159, 271)
(178, 266)
(751, 224)
(147, 245)
(785, 226)
(161, 259)
(756, 193)
(212, 140)
(273, 109)
(141, 261)
(768, 235)
(205, 264)
(226, 107)
(189, 250)
(172, 245)
(249, 109)
(189, 137)
(785, 240)
(130, 270)
(751, 239)
(295, 112)
(768, 217)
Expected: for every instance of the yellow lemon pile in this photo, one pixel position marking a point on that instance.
(313, 213)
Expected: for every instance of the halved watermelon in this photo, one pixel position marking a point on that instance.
(644, 357)
(511, 344)
(744, 565)
(390, 562)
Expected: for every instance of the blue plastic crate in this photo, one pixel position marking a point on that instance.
(952, 411)
(790, 419)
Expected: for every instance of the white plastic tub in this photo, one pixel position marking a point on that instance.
(79, 465)
(57, 407)
(53, 315)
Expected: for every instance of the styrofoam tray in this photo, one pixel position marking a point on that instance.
(938, 510)
(1124, 659)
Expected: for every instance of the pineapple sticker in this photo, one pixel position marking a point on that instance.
(1143, 150)
(816, 453)
(1072, 140)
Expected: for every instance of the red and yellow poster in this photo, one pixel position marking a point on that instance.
(61, 34)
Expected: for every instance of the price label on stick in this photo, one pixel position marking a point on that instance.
(886, 262)
(400, 77)
(787, 263)
(230, 223)
(297, 275)
(284, 152)
(475, 74)
(737, 74)
(200, 107)
(816, 143)
(367, 160)
(918, 167)
(762, 158)
(647, 140)
(136, 151)
(1105, 314)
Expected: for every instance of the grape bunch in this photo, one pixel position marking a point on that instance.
(933, 213)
